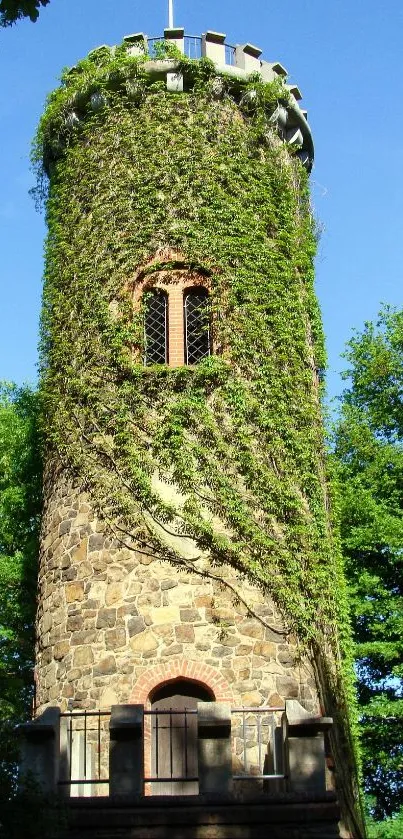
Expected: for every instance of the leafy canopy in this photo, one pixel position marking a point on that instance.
(13, 10)
(370, 451)
(20, 504)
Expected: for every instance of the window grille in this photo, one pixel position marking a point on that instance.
(156, 327)
(197, 326)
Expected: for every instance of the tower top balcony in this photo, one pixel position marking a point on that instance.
(238, 61)
(240, 70)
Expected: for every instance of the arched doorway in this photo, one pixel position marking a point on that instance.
(174, 736)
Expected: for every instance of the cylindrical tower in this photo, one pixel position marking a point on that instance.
(186, 534)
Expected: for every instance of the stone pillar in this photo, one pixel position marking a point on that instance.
(176, 36)
(136, 43)
(213, 47)
(214, 747)
(276, 760)
(247, 58)
(306, 749)
(126, 755)
(270, 70)
(40, 750)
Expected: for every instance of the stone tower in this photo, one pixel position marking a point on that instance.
(187, 548)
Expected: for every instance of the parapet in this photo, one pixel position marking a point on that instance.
(167, 59)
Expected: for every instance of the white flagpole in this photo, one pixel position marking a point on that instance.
(170, 14)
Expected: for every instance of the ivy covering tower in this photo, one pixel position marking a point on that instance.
(187, 533)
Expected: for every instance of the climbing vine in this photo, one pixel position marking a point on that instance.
(138, 176)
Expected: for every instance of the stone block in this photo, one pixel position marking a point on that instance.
(84, 570)
(185, 633)
(113, 593)
(252, 699)
(165, 614)
(105, 667)
(145, 642)
(167, 584)
(174, 649)
(287, 687)
(108, 698)
(189, 615)
(80, 553)
(60, 650)
(74, 592)
(47, 622)
(115, 638)
(251, 628)
(106, 618)
(83, 657)
(265, 649)
(135, 625)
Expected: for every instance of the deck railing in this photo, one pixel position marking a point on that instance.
(84, 752)
(171, 764)
(258, 740)
(192, 48)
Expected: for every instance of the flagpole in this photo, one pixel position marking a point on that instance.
(170, 14)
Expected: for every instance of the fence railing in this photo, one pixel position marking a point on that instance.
(84, 752)
(258, 742)
(192, 48)
(173, 736)
(170, 750)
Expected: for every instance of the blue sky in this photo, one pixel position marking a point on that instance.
(346, 58)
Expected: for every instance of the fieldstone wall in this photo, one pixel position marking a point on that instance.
(113, 623)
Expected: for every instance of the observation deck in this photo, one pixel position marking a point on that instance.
(236, 61)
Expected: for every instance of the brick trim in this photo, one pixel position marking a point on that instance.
(196, 671)
(175, 279)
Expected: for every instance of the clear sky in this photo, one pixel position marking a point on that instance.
(346, 57)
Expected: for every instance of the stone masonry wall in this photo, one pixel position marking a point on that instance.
(113, 623)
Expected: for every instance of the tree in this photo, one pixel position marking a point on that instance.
(369, 448)
(20, 506)
(13, 10)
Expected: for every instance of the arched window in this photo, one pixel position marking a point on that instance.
(197, 325)
(156, 327)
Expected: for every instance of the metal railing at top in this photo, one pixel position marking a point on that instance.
(193, 48)
(230, 55)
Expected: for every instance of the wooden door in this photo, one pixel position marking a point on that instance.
(174, 738)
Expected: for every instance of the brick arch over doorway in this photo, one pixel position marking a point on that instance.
(197, 671)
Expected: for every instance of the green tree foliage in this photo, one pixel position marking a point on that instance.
(20, 505)
(370, 451)
(13, 10)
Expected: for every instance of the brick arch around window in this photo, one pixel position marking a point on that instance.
(164, 674)
(196, 671)
(169, 272)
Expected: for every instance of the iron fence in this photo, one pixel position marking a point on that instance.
(192, 48)
(258, 738)
(258, 743)
(173, 737)
(84, 752)
(230, 55)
